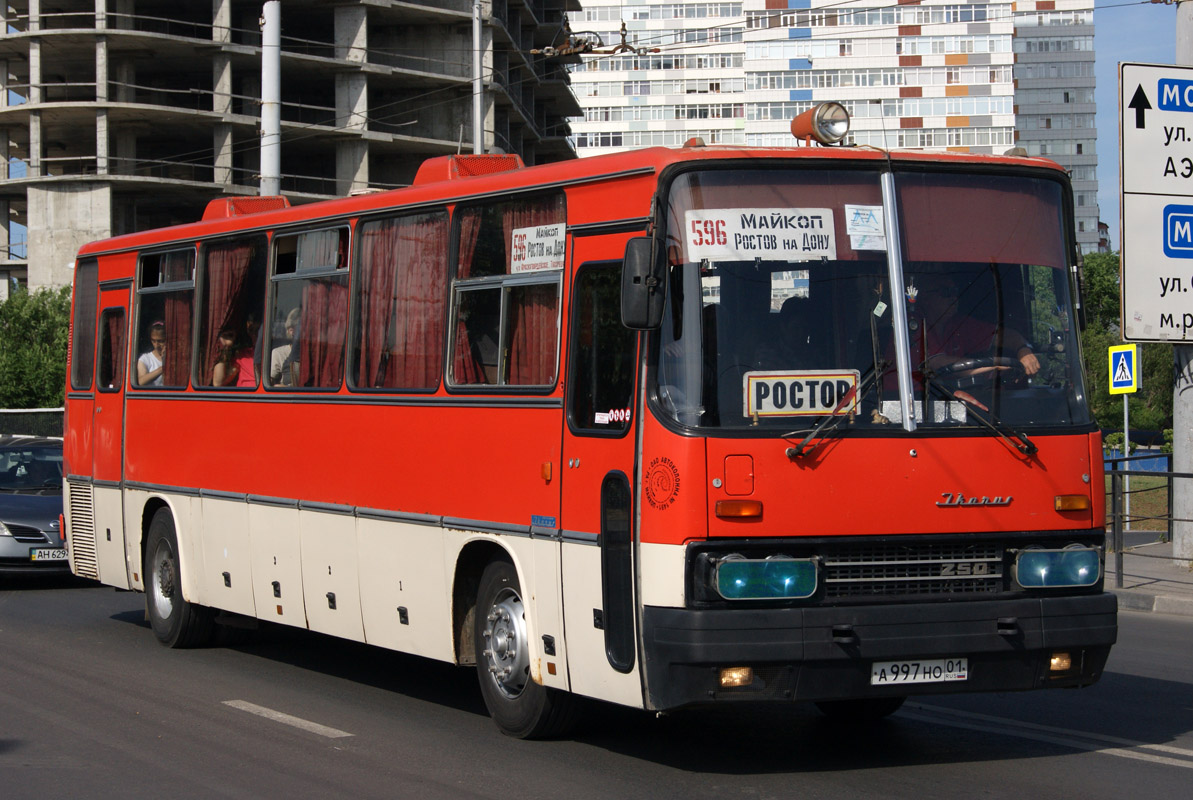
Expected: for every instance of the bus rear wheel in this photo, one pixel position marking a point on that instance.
(175, 622)
(520, 707)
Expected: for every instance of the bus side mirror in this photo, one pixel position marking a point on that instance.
(643, 288)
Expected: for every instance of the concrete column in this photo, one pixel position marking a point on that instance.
(101, 14)
(34, 15)
(221, 20)
(34, 71)
(352, 33)
(101, 141)
(4, 160)
(352, 167)
(221, 82)
(352, 101)
(5, 255)
(222, 144)
(3, 77)
(124, 77)
(101, 68)
(123, 9)
(34, 169)
(62, 218)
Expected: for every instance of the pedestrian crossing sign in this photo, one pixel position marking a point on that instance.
(1124, 369)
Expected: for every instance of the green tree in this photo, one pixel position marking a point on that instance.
(34, 328)
(1151, 406)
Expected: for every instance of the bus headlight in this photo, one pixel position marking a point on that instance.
(1073, 566)
(775, 578)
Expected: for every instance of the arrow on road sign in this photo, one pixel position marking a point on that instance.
(1140, 103)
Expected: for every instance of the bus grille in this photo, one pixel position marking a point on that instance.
(82, 531)
(890, 570)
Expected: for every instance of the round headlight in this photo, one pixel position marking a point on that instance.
(827, 123)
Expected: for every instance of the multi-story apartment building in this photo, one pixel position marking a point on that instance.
(121, 115)
(1054, 97)
(925, 74)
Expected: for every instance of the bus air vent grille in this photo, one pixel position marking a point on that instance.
(890, 570)
(82, 531)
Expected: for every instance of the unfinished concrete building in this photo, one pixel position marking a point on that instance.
(123, 115)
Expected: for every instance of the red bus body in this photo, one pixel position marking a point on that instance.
(373, 514)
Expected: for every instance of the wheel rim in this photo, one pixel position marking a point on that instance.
(164, 581)
(505, 650)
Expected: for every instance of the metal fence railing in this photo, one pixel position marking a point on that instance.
(1139, 501)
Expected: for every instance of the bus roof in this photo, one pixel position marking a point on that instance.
(615, 165)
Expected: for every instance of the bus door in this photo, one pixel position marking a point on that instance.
(597, 474)
(107, 432)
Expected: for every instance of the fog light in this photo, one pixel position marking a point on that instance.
(1061, 662)
(1073, 566)
(732, 677)
(777, 578)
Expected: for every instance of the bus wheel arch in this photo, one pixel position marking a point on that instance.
(519, 705)
(175, 621)
(470, 566)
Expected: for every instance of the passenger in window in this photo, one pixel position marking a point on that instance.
(280, 372)
(234, 362)
(151, 364)
(798, 340)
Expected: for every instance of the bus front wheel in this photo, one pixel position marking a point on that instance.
(520, 707)
(175, 622)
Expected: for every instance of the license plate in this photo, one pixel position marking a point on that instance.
(938, 670)
(48, 554)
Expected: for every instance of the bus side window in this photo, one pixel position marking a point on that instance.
(400, 293)
(111, 350)
(510, 258)
(82, 357)
(602, 353)
(233, 306)
(165, 320)
(310, 306)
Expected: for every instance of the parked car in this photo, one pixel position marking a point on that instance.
(30, 504)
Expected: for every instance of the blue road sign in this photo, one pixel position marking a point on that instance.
(1124, 369)
(1178, 231)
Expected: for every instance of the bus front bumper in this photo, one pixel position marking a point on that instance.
(819, 653)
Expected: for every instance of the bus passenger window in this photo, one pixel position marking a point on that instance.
(400, 296)
(165, 301)
(602, 353)
(82, 357)
(510, 258)
(310, 300)
(230, 335)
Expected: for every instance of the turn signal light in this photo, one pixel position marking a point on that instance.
(728, 509)
(1072, 502)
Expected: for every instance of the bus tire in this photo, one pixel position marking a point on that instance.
(520, 707)
(175, 622)
(865, 709)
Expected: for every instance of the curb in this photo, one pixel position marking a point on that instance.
(1133, 600)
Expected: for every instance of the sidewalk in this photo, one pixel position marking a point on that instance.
(1152, 581)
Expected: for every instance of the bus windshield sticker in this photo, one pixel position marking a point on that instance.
(865, 227)
(537, 248)
(772, 234)
(607, 417)
(774, 393)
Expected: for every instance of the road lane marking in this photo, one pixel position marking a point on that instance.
(287, 719)
(1080, 740)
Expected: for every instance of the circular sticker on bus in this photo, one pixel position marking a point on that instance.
(662, 483)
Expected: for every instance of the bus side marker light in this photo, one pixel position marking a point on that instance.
(545, 471)
(1074, 566)
(738, 509)
(1072, 502)
(732, 677)
(1061, 662)
(776, 578)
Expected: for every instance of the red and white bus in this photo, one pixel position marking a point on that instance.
(664, 428)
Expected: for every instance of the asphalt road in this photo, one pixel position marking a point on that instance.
(92, 707)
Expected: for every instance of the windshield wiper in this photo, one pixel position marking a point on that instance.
(833, 420)
(1016, 439)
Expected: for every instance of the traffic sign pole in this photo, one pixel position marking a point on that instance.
(1182, 387)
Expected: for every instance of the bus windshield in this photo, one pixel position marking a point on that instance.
(780, 305)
